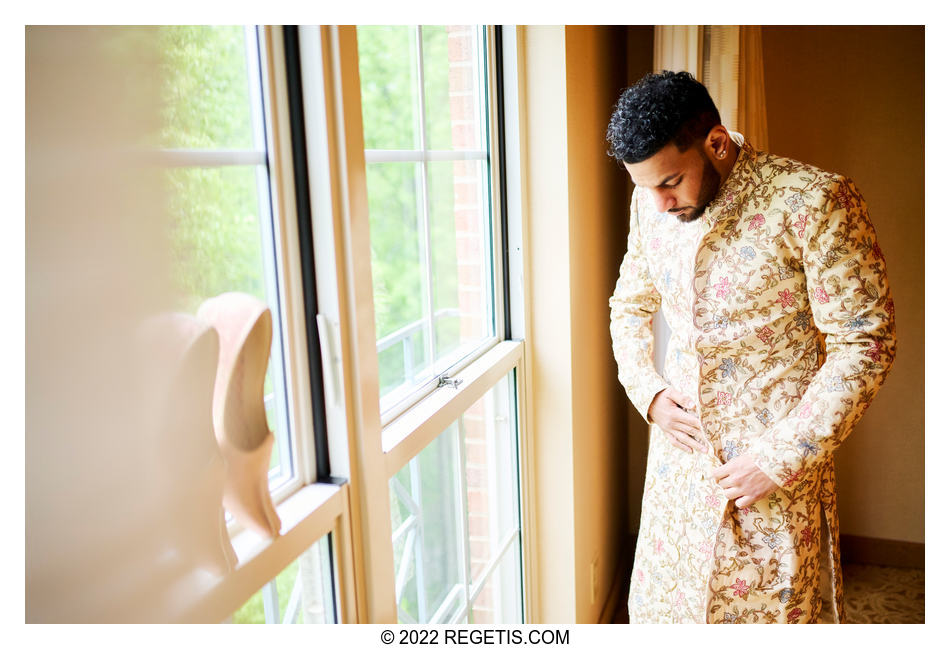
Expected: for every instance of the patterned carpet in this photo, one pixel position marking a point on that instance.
(882, 595)
(872, 595)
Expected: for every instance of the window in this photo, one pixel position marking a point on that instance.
(455, 520)
(424, 126)
(437, 449)
(301, 594)
(235, 228)
(351, 179)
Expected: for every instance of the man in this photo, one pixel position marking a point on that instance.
(769, 274)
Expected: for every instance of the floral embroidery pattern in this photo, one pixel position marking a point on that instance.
(731, 449)
(874, 351)
(835, 384)
(803, 319)
(771, 539)
(800, 225)
(843, 198)
(808, 448)
(792, 478)
(740, 588)
(786, 298)
(857, 323)
(766, 385)
(795, 202)
(806, 538)
(723, 288)
(728, 368)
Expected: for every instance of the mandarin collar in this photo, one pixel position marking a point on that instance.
(733, 191)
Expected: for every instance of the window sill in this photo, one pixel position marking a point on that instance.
(406, 436)
(306, 516)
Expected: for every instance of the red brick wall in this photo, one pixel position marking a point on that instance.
(469, 215)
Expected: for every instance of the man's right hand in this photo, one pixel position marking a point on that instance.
(670, 411)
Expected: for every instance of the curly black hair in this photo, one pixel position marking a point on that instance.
(659, 109)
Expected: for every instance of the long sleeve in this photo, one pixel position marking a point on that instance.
(851, 305)
(632, 305)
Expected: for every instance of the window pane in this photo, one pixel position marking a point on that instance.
(429, 220)
(459, 227)
(389, 84)
(452, 98)
(399, 277)
(205, 88)
(491, 474)
(455, 515)
(499, 601)
(301, 593)
(218, 246)
(427, 538)
(216, 233)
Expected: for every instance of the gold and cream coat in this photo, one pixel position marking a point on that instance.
(782, 332)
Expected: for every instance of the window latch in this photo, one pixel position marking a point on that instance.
(444, 380)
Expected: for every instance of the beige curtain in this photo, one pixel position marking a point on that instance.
(752, 117)
(728, 60)
(678, 47)
(721, 70)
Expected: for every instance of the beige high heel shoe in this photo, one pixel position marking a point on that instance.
(244, 328)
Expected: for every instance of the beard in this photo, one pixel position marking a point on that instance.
(707, 191)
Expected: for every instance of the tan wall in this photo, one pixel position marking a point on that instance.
(851, 100)
(548, 334)
(597, 202)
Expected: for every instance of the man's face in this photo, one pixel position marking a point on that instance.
(681, 182)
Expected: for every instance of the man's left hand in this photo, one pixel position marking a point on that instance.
(742, 481)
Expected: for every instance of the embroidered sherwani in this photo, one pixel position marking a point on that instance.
(782, 332)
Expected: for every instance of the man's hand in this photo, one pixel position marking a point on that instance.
(742, 481)
(669, 411)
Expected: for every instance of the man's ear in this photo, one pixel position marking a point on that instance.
(716, 140)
